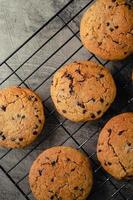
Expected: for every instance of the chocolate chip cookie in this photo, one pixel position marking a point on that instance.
(115, 146)
(21, 117)
(107, 29)
(83, 91)
(61, 173)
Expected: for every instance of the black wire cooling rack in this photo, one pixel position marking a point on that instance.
(41, 59)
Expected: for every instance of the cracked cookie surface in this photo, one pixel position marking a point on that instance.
(115, 146)
(83, 91)
(21, 117)
(61, 173)
(107, 29)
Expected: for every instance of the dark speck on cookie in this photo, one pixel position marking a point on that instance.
(92, 116)
(111, 29)
(3, 108)
(80, 105)
(101, 100)
(121, 132)
(52, 179)
(99, 112)
(64, 111)
(40, 121)
(69, 76)
(109, 130)
(20, 139)
(35, 133)
(53, 162)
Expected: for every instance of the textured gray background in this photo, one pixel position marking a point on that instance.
(18, 21)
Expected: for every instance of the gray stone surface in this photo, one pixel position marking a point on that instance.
(8, 190)
(19, 20)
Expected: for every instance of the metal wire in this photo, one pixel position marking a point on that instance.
(106, 179)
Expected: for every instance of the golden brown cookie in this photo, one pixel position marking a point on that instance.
(21, 117)
(61, 173)
(115, 146)
(107, 29)
(83, 91)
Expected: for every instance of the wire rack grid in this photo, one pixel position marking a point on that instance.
(32, 65)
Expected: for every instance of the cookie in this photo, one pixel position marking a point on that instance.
(21, 117)
(83, 91)
(61, 173)
(115, 146)
(107, 29)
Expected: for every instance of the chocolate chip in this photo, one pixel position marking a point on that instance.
(72, 170)
(80, 104)
(113, 1)
(40, 172)
(17, 96)
(69, 77)
(109, 163)
(101, 75)
(107, 104)
(109, 130)
(76, 188)
(20, 139)
(108, 23)
(101, 100)
(30, 98)
(92, 116)
(116, 27)
(3, 137)
(99, 150)
(93, 99)
(52, 197)
(105, 163)
(84, 111)
(71, 88)
(52, 179)
(58, 101)
(121, 132)
(53, 163)
(35, 99)
(129, 144)
(23, 116)
(68, 159)
(35, 133)
(40, 121)
(111, 29)
(99, 43)
(109, 7)
(64, 111)
(125, 53)
(13, 118)
(3, 108)
(36, 116)
(99, 112)
(18, 115)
